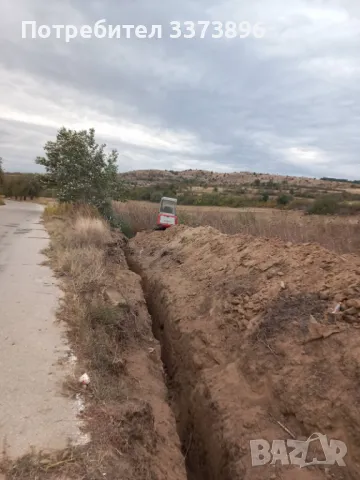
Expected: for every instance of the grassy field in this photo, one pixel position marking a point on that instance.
(341, 234)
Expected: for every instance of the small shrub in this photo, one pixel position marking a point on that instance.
(283, 200)
(184, 218)
(156, 197)
(325, 205)
(351, 208)
(126, 228)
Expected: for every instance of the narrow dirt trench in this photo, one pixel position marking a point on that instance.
(237, 321)
(185, 427)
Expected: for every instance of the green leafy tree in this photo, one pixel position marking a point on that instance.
(80, 169)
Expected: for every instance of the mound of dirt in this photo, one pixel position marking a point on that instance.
(261, 340)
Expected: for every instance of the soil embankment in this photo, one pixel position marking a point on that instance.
(251, 346)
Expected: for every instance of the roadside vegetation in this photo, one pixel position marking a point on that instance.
(109, 331)
(81, 171)
(108, 328)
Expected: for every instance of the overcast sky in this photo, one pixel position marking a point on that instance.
(287, 103)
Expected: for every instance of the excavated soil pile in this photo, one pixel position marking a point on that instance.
(252, 348)
(142, 425)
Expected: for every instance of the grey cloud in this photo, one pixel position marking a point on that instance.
(261, 101)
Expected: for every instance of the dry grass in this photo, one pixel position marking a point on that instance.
(45, 200)
(69, 211)
(137, 215)
(341, 234)
(81, 241)
(88, 232)
(84, 267)
(84, 253)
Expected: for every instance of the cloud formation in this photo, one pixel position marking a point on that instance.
(287, 103)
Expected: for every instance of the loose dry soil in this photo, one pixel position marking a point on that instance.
(248, 340)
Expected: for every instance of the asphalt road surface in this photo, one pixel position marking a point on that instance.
(33, 412)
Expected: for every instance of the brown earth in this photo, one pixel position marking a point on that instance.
(132, 426)
(150, 177)
(251, 346)
(144, 428)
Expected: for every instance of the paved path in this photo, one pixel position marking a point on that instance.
(32, 409)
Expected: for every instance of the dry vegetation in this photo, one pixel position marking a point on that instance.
(245, 190)
(341, 234)
(146, 177)
(106, 335)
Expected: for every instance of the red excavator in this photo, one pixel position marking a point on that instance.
(167, 214)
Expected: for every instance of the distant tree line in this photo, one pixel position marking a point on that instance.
(343, 180)
(21, 186)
